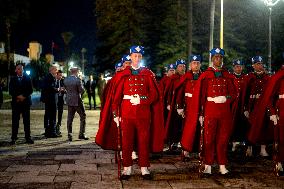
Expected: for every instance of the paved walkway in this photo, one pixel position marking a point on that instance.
(57, 163)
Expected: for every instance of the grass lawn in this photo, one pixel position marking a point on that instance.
(86, 100)
(6, 95)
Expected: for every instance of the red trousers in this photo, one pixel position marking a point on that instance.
(135, 131)
(217, 132)
(280, 126)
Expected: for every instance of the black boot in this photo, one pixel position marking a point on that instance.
(57, 130)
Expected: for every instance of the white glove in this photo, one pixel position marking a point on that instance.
(274, 118)
(169, 107)
(201, 120)
(116, 120)
(220, 99)
(180, 112)
(246, 114)
(135, 99)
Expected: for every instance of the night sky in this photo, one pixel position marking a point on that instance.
(49, 18)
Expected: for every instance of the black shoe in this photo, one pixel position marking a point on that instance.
(58, 126)
(147, 177)
(13, 142)
(280, 173)
(227, 175)
(53, 135)
(124, 177)
(84, 137)
(29, 141)
(205, 175)
(70, 138)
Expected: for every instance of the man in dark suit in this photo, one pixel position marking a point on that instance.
(20, 88)
(49, 98)
(74, 90)
(90, 88)
(60, 100)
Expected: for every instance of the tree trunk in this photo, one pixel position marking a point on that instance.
(189, 27)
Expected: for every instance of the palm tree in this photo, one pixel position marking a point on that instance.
(67, 37)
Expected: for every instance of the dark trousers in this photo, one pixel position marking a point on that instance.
(17, 110)
(80, 109)
(50, 118)
(90, 96)
(60, 104)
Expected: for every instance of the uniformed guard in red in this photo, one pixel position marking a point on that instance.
(184, 92)
(132, 106)
(174, 120)
(106, 136)
(272, 105)
(239, 119)
(164, 85)
(256, 84)
(212, 98)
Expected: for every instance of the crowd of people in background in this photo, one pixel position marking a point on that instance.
(56, 92)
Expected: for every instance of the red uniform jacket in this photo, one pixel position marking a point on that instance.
(208, 85)
(238, 106)
(107, 134)
(267, 102)
(171, 100)
(256, 85)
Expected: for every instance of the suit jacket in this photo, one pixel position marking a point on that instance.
(75, 89)
(21, 87)
(61, 82)
(91, 86)
(49, 89)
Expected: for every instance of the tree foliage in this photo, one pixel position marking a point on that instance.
(161, 27)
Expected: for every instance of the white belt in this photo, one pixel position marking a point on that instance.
(128, 97)
(281, 96)
(255, 96)
(213, 99)
(188, 94)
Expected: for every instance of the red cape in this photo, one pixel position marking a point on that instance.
(189, 131)
(259, 115)
(170, 119)
(106, 124)
(107, 134)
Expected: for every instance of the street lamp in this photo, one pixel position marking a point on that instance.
(269, 4)
(222, 25)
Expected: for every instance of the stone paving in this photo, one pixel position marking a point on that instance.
(57, 163)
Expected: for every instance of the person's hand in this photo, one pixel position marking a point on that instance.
(116, 120)
(201, 120)
(274, 118)
(169, 107)
(180, 112)
(246, 113)
(135, 100)
(20, 98)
